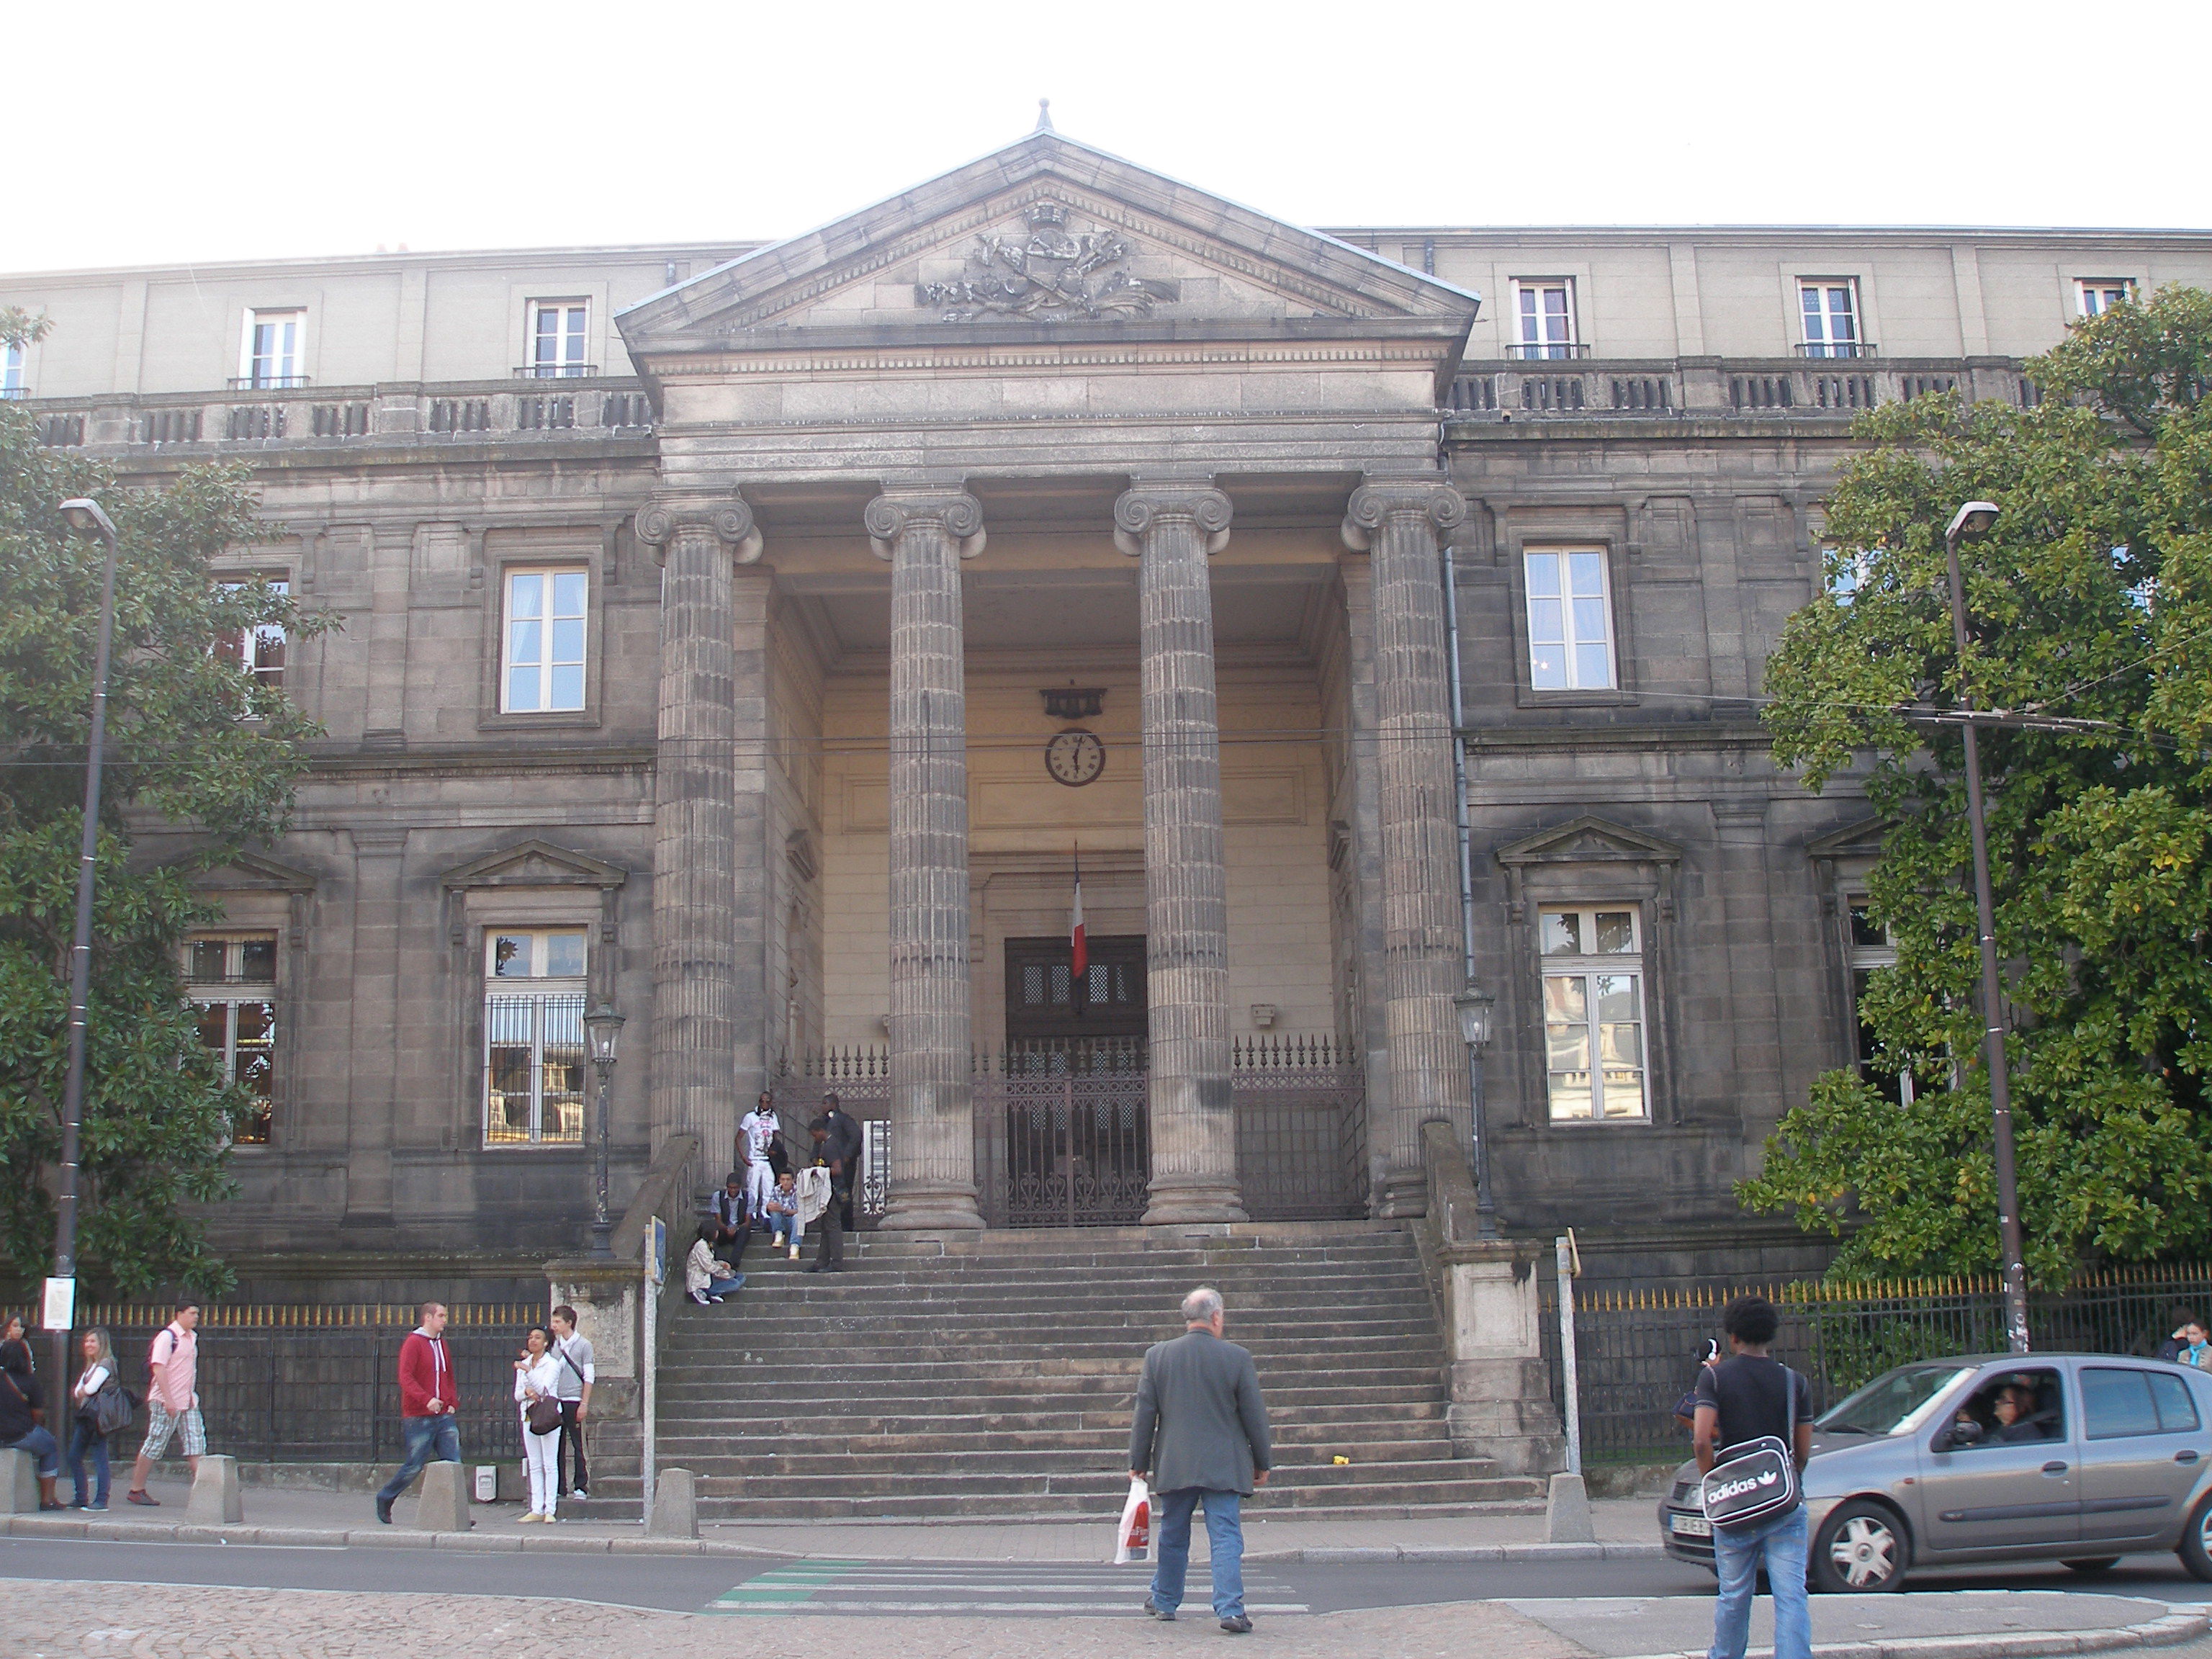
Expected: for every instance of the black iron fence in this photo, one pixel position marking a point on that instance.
(1636, 1350)
(305, 1385)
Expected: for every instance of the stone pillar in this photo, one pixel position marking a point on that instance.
(1171, 529)
(1398, 523)
(925, 534)
(698, 540)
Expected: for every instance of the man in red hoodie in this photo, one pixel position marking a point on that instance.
(426, 1404)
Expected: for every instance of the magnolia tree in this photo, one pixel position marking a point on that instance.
(2091, 600)
(192, 738)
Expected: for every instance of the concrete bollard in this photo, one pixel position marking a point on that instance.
(442, 1502)
(675, 1505)
(1567, 1512)
(215, 1499)
(19, 1483)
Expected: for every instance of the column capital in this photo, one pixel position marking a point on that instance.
(895, 511)
(1381, 499)
(726, 516)
(1143, 507)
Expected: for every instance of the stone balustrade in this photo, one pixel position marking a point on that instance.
(1707, 387)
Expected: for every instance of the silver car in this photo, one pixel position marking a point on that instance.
(2080, 1458)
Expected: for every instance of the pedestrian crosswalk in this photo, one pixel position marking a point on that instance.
(979, 1587)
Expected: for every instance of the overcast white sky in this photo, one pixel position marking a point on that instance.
(218, 130)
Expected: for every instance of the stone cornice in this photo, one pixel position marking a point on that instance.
(857, 354)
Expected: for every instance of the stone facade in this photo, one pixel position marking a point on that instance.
(783, 771)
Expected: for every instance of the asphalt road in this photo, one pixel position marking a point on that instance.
(796, 1588)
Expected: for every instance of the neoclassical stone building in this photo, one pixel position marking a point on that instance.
(753, 637)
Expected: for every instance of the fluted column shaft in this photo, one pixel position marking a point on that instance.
(1399, 524)
(699, 542)
(1193, 1120)
(933, 1182)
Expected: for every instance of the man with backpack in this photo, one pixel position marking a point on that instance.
(1749, 1397)
(173, 1401)
(572, 1386)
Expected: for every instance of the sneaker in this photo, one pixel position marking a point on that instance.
(700, 1297)
(1237, 1625)
(96, 1509)
(795, 1253)
(716, 1299)
(383, 1510)
(579, 1495)
(50, 1508)
(1154, 1610)
(144, 1502)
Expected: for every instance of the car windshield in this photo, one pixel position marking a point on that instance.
(1895, 1401)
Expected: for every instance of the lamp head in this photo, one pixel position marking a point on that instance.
(84, 516)
(602, 1025)
(1973, 520)
(1474, 1005)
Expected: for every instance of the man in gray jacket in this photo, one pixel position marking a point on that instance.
(1199, 1437)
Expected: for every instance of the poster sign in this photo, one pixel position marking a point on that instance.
(61, 1304)
(656, 1249)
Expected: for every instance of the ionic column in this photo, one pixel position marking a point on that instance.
(1398, 523)
(1171, 530)
(924, 535)
(699, 542)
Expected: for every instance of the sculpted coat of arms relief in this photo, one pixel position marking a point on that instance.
(1051, 274)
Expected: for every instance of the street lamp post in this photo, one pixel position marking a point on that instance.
(604, 1025)
(85, 517)
(1972, 520)
(1474, 1005)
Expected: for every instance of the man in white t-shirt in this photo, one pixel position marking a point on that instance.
(756, 1134)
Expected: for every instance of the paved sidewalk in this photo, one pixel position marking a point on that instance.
(276, 1515)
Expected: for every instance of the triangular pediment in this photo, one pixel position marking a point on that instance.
(1860, 840)
(1589, 840)
(535, 864)
(1047, 237)
(250, 872)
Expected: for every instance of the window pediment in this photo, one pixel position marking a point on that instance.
(250, 872)
(534, 863)
(1587, 840)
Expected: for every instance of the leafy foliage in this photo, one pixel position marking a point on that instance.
(191, 738)
(2091, 599)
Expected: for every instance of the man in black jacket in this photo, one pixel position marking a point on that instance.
(837, 1147)
(1200, 1436)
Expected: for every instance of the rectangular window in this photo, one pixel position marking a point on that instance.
(1831, 317)
(2098, 295)
(272, 349)
(1570, 621)
(544, 670)
(534, 1052)
(1594, 1014)
(557, 330)
(232, 978)
(1544, 319)
(11, 370)
(258, 651)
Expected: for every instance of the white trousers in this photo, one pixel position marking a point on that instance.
(538, 1451)
(760, 1181)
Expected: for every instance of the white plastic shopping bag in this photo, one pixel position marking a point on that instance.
(1133, 1540)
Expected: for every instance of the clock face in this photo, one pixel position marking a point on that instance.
(1075, 757)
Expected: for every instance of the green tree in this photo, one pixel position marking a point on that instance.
(2092, 600)
(192, 740)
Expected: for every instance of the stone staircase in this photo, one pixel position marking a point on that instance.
(994, 1379)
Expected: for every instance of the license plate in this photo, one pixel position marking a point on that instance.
(1690, 1526)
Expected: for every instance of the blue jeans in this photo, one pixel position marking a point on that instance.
(1225, 1536)
(44, 1450)
(427, 1438)
(1780, 1546)
(84, 1438)
(723, 1286)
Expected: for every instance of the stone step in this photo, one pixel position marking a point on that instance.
(1348, 1354)
(1013, 1454)
(1291, 1423)
(1014, 1484)
(1504, 1494)
(826, 1397)
(1290, 1438)
(1017, 1300)
(715, 1328)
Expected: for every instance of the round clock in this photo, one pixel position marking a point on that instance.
(1075, 757)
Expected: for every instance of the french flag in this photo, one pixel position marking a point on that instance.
(1078, 948)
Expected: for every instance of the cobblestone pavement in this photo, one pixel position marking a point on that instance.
(45, 1620)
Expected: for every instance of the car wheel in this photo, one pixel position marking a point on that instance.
(1861, 1549)
(2195, 1547)
(2093, 1564)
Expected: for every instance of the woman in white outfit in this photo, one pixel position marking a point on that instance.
(535, 1374)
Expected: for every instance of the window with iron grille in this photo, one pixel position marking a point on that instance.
(258, 651)
(1831, 310)
(558, 332)
(534, 1051)
(1593, 972)
(1544, 317)
(273, 354)
(1570, 619)
(544, 668)
(2098, 295)
(232, 979)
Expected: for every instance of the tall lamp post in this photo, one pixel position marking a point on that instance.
(604, 1026)
(1971, 521)
(1474, 1005)
(85, 517)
